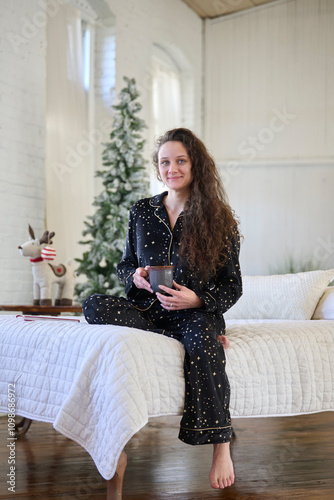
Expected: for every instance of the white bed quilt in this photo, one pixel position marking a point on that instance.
(98, 385)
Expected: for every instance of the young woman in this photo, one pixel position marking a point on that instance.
(192, 227)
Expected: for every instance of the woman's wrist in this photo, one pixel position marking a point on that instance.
(200, 302)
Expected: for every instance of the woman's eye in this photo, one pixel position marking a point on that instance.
(181, 161)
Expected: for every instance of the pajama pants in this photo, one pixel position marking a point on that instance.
(206, 416)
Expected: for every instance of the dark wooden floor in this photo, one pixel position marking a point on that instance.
(286, 458)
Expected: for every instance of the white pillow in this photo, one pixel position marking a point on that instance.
(325, 307)
(281, 296)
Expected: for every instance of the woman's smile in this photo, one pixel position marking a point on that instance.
(175, 165)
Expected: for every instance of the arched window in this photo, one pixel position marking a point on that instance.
(166, 99)
(166, 92)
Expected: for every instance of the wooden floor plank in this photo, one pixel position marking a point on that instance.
(275, 458)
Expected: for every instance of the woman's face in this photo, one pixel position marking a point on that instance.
(175, 166)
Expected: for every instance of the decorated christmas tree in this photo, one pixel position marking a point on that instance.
(124, 181)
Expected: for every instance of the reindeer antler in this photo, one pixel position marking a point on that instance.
(51, 235)
(46, 238)
(31, 232)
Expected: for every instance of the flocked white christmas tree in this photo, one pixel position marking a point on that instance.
(124, 180)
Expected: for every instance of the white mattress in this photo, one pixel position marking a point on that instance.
(98, 385)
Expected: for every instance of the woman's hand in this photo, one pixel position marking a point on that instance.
(180, 298)
(140, 279)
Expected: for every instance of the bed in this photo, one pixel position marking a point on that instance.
(98, 385)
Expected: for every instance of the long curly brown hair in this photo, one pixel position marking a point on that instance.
(209, 222)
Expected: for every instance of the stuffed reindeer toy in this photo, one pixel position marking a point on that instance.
(46, 274)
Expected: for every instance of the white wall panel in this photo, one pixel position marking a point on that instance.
(280, 56)
(269, 113)
(286, 213)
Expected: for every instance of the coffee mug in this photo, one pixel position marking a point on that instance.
(160, 275)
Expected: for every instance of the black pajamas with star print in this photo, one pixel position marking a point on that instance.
(151, 241)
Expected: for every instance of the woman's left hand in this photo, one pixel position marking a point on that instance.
(180, 298)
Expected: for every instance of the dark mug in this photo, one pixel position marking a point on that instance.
(160, 275)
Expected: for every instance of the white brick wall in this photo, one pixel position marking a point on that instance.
(22, 138)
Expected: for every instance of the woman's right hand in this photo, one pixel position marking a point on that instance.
(140, 279)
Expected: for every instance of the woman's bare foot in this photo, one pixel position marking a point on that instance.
(222, 471)
(224, 341)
